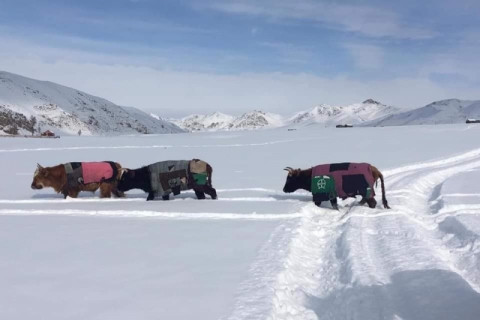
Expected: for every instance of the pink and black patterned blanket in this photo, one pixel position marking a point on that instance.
(347, 180)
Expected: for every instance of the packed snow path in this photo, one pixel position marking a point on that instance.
(256, 253)
(419, 260)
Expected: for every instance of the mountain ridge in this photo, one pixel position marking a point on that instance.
(447, 111)
(69, 111)
(324, 114)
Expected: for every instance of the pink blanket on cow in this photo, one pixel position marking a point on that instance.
(96, 171)
(348, 173)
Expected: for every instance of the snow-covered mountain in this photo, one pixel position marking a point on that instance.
(323, 114)
(220, 121)
(351, 114)
(438, 112)
(211, 122)
(66, 111)
(257, 120)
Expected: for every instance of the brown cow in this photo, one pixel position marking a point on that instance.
(56, 177)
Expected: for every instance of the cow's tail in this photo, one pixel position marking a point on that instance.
(209, 174)
(384, 198)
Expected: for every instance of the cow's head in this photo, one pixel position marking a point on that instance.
(292, 183)
(41, 178)
(125, 182)
(296, 179)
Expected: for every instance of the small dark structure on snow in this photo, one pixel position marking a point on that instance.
(48, 133)
(472, 121)
(344, 126)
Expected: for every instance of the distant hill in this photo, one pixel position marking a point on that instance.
(439, 112)
(66, 111)
(330, 116)
(220, 121)
(324, 115)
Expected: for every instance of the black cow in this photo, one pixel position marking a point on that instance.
(166, 177)
(328, 181)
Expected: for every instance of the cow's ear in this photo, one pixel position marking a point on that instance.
(41, 169)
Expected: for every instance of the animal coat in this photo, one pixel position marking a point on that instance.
(342, 180)
(174, 176)
(89, 172)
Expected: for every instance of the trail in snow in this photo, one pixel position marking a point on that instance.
(153, 214)
(260, 144)
(98, 200)
(378, 264)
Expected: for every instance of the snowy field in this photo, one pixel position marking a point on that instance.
(255, 253)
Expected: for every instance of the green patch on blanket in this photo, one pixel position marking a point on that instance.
(200, 179)
(368, 193)
(324, 184)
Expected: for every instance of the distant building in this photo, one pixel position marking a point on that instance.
(48, 133)
(344, 126)
(473, 121)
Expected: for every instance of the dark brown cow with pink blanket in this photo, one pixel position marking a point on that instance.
(329, 181)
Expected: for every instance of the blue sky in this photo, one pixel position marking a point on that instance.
(181, 56)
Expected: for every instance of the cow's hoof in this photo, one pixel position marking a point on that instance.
(167, 197)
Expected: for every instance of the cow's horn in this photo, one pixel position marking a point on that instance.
(122, 171)
(39, 166)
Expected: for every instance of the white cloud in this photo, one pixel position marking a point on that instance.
(366, 56)
(368, 21)
(290, 53)
(187, 92)
(131, 80)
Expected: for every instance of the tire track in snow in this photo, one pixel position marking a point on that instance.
(98, 200)
(328, 254)
(259, 144)
(154, 214)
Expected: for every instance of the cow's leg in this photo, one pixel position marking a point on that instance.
(372, 203)
(105, 190)
(363, 201)
(334, 204)
(318, 203)
(151, 196)
(73, 193)
(117, 193)
(166, 196)
(199, 193)
(210, 191)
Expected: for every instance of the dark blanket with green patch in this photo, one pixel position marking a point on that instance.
(173, 176)
(342, 180)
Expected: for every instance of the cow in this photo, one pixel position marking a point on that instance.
(329, 181)
(72, 177)
(172, 176)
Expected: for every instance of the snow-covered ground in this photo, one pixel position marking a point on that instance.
(256, 253)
